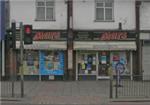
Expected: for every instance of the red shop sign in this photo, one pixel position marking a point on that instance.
(46, 36)
(113, 36)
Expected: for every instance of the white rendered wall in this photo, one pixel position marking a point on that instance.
(25, 11)
(84, 15)
(145, 16)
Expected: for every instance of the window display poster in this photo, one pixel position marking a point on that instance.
(31, 69)
(30, 63)
(116, 58)
(30, 59)
(51, 62)
(120, 57)
(90, 59)
(103, 60)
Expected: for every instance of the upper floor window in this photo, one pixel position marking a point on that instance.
(104, 10)
(45, 10)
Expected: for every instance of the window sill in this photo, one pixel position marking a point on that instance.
(43, 20)
(104, 20)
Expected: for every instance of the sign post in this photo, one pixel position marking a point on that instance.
(119, 70)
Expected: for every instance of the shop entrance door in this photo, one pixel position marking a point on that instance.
(103, 64)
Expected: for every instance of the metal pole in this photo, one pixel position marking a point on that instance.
(3, 57)
(117, 84)
(111, 81)
(131, 67)
(21, 59)
(0, 60)
(13, 28)
(12, 70)
(111, 88)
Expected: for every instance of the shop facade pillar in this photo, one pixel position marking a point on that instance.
(69, 74)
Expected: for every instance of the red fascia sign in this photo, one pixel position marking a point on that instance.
(113, 36)
(46, 36)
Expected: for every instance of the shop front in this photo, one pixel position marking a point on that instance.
(45, 59)
(93, 57)
(145, 39)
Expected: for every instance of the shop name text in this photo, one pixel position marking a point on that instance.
(114, 36)
(46, 36)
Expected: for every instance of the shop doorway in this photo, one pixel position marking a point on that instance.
(103, 64)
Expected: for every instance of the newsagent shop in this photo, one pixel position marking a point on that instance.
(96, 51)
(45, 59)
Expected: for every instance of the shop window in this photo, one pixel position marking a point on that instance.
(51, 62)
(30, 62)
(104, 10)
(87, 64)
(121, 57)
(45, 10)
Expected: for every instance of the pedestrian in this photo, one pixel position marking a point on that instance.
(110, 71)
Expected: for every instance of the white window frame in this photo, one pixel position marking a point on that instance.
(45, 7)
(104, 7)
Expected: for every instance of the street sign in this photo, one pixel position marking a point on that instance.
(120, 67)
(119, 70)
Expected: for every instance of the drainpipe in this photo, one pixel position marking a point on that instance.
(2, 38)
(69, 41)
(139, 60)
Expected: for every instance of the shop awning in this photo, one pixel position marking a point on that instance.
(109, 45)
(145, 36)
(45, 45)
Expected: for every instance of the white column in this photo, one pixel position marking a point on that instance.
(131, 66)
(3, 58)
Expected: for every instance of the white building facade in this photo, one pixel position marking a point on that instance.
(46, 57)
(99, 41)
(145, 37)
(85, 14)
(103, 35)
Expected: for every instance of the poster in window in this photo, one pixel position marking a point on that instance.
(31, 63)
(90, 59)
(51, 62)
(30, 59)
(103, 60)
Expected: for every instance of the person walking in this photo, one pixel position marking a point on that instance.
(110, 71)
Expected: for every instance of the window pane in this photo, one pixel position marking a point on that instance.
(40, 13)
(50, 3)
(108, 14)
(108, 4)
(100, 14)
(49, 14)
(99, 4)
(40, 3)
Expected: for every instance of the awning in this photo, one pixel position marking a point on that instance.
(109, 45)
(45, 45)
(145, 36)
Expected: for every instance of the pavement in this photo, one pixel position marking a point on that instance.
(64, 93)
